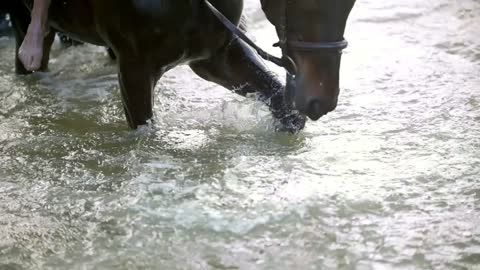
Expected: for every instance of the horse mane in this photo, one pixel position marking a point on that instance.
(243, 23)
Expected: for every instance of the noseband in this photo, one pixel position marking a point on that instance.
(295, 45)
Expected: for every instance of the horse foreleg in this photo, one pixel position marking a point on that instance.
(47, 46)
(20, 18)
(238, 68)
(137, 81)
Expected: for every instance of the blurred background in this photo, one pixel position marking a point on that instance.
(390, 179)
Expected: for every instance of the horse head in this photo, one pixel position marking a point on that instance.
(311, 37)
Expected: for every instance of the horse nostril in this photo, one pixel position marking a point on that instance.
(316, 109)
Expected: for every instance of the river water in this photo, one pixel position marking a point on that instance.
(390, 180)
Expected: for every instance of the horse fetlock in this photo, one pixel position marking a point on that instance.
(286, 119)
(292, 122)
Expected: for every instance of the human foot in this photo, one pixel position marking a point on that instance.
(31, 50)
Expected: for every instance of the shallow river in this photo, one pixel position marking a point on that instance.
(390, 180)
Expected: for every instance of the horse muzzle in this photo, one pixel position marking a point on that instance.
(310, 99)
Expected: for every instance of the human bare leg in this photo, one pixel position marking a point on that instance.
(31, 50)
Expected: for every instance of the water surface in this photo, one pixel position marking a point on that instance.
(390, 180)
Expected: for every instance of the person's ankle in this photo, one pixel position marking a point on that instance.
(36, 34)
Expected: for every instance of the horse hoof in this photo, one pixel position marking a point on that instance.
(291, 123)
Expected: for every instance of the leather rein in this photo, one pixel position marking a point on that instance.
(285, 61)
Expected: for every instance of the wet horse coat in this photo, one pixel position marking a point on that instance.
(149, 37)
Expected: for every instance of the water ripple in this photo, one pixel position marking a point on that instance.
(388, 180)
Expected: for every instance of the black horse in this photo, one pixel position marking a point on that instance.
(149, 37)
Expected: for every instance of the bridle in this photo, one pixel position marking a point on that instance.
(285, 61)
(285, 44)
